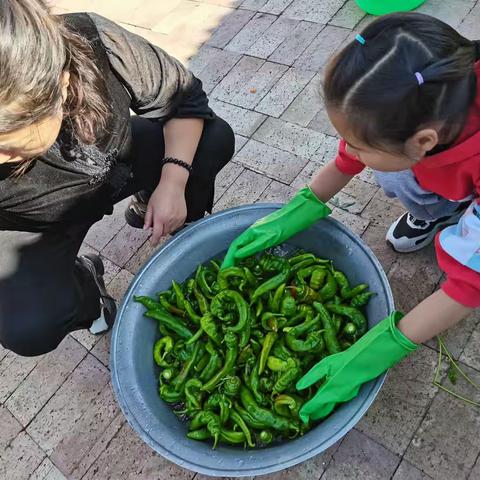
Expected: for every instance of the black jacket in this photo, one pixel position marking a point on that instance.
(74, 183)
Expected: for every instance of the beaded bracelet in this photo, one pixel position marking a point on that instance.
(178, 162)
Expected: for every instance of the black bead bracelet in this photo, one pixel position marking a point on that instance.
(178, 162)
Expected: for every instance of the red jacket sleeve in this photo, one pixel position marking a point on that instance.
(346, 163)
(462, 283)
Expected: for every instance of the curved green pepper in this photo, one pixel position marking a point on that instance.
(270, 339)
(353, 314)
(317, 278)
(231, 386)
(217, 308)
(238, 420)
(286, 379)
(147, 302)
(271, 284)
(226, 274)
(209, 326)
(330, 332)
(213, 364)
(172, 323)
(289, 306)
(361, 300)
(193, 395)
(329, 290)
(161, 349)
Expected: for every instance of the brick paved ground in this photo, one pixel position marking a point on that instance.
(57, 414)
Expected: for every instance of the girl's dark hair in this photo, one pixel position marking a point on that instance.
(375, 84)
(36, 48)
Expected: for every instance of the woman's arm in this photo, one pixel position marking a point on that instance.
(436, 313)
(329, 181)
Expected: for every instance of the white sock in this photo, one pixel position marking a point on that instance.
(99, 325)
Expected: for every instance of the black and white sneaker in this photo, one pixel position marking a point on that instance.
(408, 234)
(94, 264)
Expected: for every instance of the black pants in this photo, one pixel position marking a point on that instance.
(43, 294)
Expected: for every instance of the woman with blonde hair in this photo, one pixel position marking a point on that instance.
(69, 150)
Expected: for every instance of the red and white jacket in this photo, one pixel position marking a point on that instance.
(453, 174)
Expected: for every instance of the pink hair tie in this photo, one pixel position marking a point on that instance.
(420, 79)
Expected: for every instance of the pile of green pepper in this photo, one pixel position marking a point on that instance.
(235, 341)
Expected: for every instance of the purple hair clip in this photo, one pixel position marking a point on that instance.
(420, 79)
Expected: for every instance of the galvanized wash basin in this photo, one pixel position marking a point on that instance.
(134, 373)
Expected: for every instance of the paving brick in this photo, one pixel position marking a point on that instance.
(85, 338)
(124, 245)
(88, 429)
(475, 472)
(229, 27)
(406, 471)
(367, 175)
(348, 16)
(360, 457)
(10, 427)
(450, 12)
(312, 10)
(250, 33)
(306, 175)
(275, 35)
(355, 223)
(381, 212)
(254, 5)
(327, 42)
(246, 189)
(277, 192)
(47, 471)
(284, 92)
(461, 338)
(59, 417)
(307, 104)
(226, 177)
(312, 469)
(469, 26)
(321, 122)
(402, 403)
(20, 458)
(102, 349)
(447, 443)
(295, 43)
(142, 255)
(240, 141)
(238, 78)
(289, 137)
(355, 196)
(134, 459)
(374, 237)
(275, 6)
(471, 351)
(102, 232)
(13, 370)
(119, 285)
(413, 278)
(3, 353)
(249, 94)
(242, 121)
(43, 381)
(271, 161)
(213, 70)
(98, 447)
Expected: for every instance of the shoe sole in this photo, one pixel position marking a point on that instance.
(429, 239)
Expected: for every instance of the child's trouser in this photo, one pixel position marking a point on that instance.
(422, 204)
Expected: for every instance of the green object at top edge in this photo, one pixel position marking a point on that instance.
(382, 7)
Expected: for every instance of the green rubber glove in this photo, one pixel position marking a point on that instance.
(302, 211)
(344, 373)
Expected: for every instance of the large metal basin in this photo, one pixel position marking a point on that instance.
(134, 374)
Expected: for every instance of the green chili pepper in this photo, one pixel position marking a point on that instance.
(241, 306)
(306, 272)
(169, 307)
(211, 421)
(266, 347)
(213, 364)
(303, 293)
(266, 384)
(350, 329)
(266, 417)
(172, 323)
(169, 394)
(230, 359)
(179, 297)
(167, 374)
(342, 282)
(238, 420)
(231, 436)
(201, 300)
(215, 265)
(208, 325)
(301, 257)
(313, 342)
(179, 382)
(244, 355)
(198, 334)
(275, 364)
(193, 394)
(356, 291)
(271, 284)
(282, 352)
(317, 278)
(291, 402)
(231, 386)
(329, 334)
(161, 349)
(250, 277)
(254, 384)
(201, 434)
(244, 335)
(202, 363)
(265, 437)
(231, 272)
(329, 290)
(286, 379)
(289, 306)
(147, 302)
(194, 317)
(337, 323)
(273, 263)
(259, 309)
(308, 262)
(269, 321)
(277, 298)
(248, 419)
(353, 314)
(201, 279)
(220, 402)
(361, 299)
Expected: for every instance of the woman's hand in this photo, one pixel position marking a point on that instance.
(166, 210)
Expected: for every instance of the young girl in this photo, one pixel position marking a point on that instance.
(69, 150)
(405, 98)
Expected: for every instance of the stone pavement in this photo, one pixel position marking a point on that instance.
(261, 62)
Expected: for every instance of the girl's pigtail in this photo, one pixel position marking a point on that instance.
(476, 44)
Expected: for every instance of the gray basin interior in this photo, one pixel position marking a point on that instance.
(134, 373)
